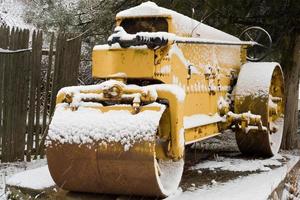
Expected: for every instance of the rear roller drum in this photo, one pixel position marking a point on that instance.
(260, 90)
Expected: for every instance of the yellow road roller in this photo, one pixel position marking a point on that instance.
(167, 81)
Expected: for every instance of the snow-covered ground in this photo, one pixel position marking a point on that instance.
(257, 185)
(37, 179)
(258, 179)
(240, 165)
(219, 172)
(7, 170)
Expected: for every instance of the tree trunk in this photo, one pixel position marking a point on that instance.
(291, 66)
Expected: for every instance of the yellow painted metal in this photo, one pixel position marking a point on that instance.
(216, 66)
(118, 91)
(265, 137)
(171, 123)
(137, 63)
(201, 133)
(276, 95)
(207, 75)
(176, 150)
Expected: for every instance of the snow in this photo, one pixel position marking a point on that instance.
(145, 9)
(75, 91)
(175, 50)
(70, 4)
(222, 103)
(181, 138)
(166, 69)
(12, 51)
(272, 104)
(256, 186)
(183, 24)
(254, 79)
(37, 179)
(119, 74)
(11, 14)
(8, 169)
(87, 126)
(4, 50)
(116, 46)
(239, 165)
(169, 175)
(121, 34)
(174, 89)
(200, 120)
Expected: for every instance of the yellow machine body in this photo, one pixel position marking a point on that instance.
(205, 72)
(197, 89)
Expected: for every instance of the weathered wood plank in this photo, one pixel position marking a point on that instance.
(14, 120)
(32, 97)
(56, 73)
(7, 111)
(47, 98)
(38, 88)
(22, 73)
(1, 91)
(23, 93)
(2, 66)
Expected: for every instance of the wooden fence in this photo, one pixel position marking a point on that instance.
(30, 77)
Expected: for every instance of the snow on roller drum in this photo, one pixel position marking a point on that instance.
(166, 82)
(87, 125)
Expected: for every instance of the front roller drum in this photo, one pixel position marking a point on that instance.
(107, 168)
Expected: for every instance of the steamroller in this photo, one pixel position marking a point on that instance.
(165, 81)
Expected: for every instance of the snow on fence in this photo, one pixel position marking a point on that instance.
(30, 77)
